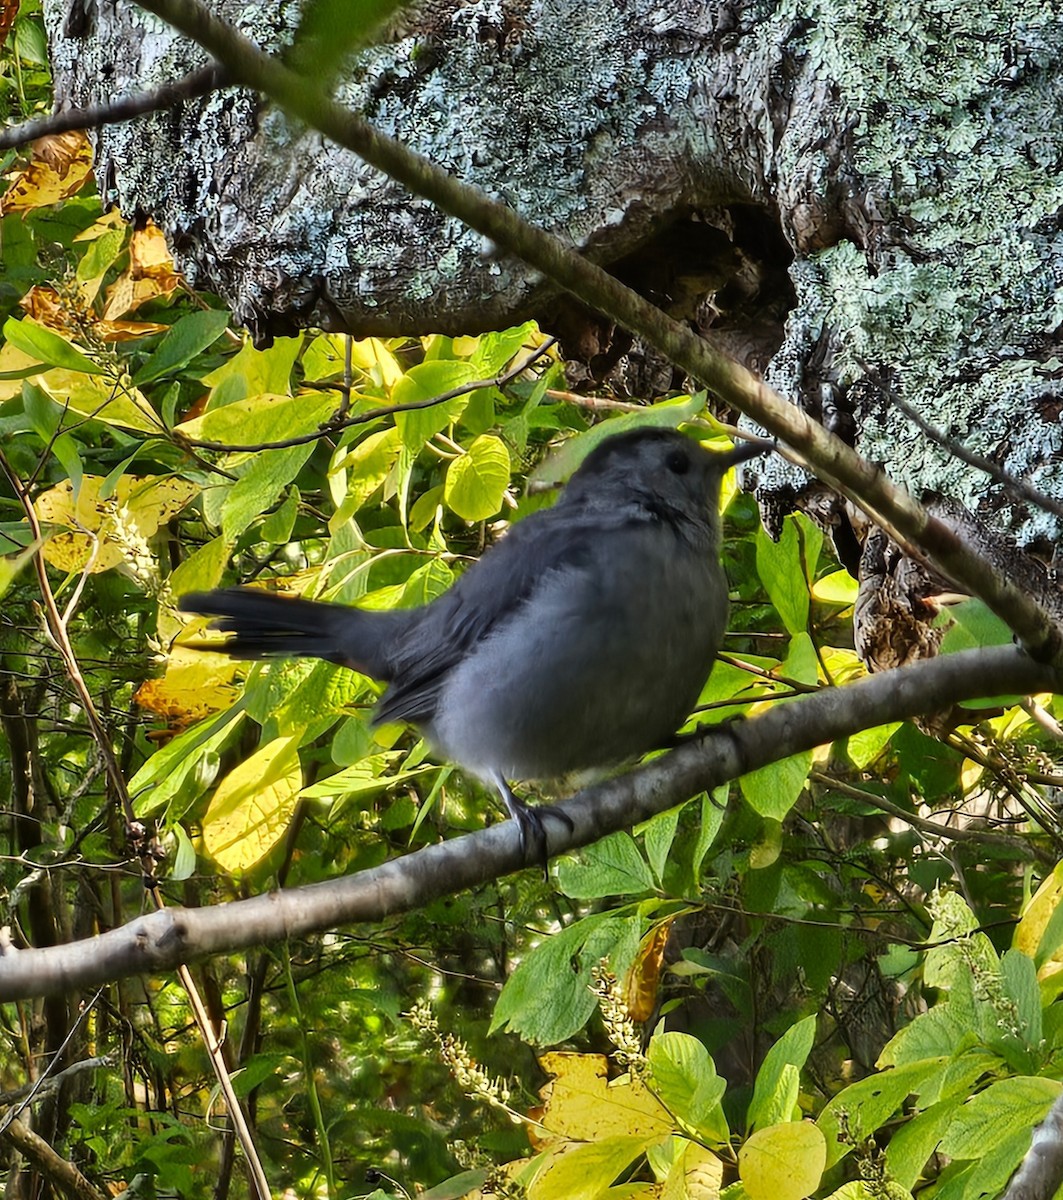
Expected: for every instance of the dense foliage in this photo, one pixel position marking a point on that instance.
(815, 982)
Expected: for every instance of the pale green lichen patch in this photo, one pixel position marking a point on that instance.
(957, 142)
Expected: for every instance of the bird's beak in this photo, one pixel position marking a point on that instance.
(744, 451)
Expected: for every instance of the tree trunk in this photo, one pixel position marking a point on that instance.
(820, 186)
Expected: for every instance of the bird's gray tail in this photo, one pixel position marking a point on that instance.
(268, 625)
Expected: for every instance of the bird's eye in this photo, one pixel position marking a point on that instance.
(678, 463)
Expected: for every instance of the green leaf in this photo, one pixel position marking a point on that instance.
(258, 488)
(548, 998)
(330, 30)
(915, 1141)
(476, 482)
(101, 254)
(1020, 984)
(801, 663)
(868, 1104)
(864, 747)
(202, 569)
(496, 350)
(713, 810)
(1004, 1109)
(277, 527)
(973, 626)
(773, 790)
(190, 336)
(47, 347)
(658, 834)
(186, 767)
(684, 1078)
(424, 382)
(781, 568)
(610, 867)
(775, 1091)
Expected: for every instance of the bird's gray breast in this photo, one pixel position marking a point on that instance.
(601, 662)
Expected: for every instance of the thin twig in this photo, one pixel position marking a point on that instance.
(1018, 487)
(1019, 846)
(198, 83)
(338, 422)
(57, 628)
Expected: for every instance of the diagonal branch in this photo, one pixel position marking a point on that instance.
(163, 940)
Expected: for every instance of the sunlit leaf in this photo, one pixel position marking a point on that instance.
(251, 807)
(783, 1162)
(60, 165)
(477, 481)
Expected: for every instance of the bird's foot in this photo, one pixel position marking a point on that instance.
(530, 827)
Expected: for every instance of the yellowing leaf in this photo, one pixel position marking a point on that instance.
(580, 1104)
(266, 417)
(783, 1162)
(369, 463)
(585, 1172)
(97, 397)
(122, 524)
(150, 274)
(372, 356)
(837, 588)
(253, 804)
(1040, 910)
(696, 1174)
(195, 685)
(864, 747)
(60, 165)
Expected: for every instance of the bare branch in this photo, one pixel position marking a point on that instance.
(197, 83)
(340, 420)
(165, 939)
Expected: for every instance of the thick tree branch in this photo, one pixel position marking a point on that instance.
(174, 936)
(833, 461)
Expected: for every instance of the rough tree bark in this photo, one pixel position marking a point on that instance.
(824, 185)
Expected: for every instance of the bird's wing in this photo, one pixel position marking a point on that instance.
(487, 595)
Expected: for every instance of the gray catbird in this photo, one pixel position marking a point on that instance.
(582, 639)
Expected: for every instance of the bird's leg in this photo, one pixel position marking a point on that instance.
(530, 822)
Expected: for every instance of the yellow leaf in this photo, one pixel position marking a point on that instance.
(783, 1162)
(151, 273)
(1034, 922)
(585, 1172)
(112, 532)
(581, 1104)
(60, 165)
(97, 397)
(697, 1174)
(253, 804)
(373, 357)
(12, 361)
(970, 773)
(195, 685)
(644, 974)
(837, 588)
